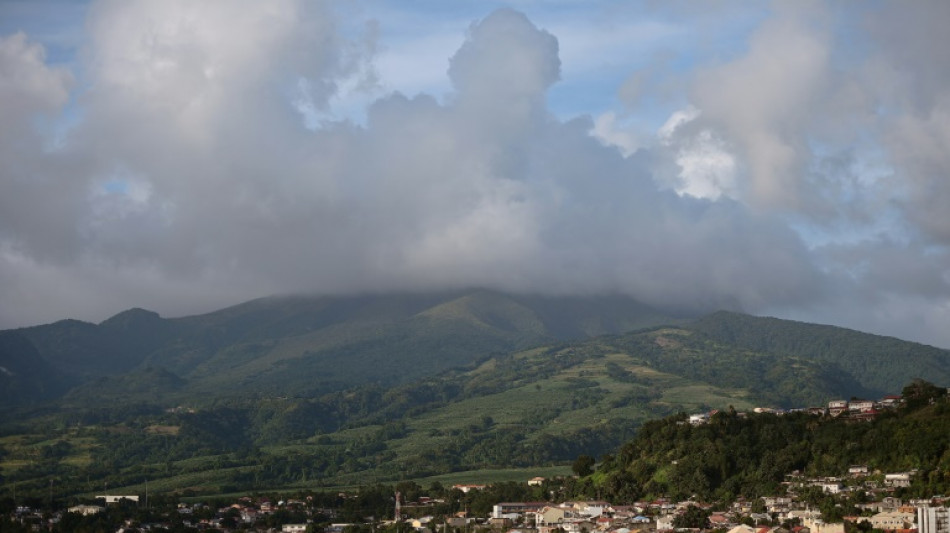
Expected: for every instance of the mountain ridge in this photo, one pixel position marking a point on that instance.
(302, 345)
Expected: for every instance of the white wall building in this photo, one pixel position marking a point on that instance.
(933, 520)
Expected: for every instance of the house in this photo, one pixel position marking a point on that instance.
(468, 488)
(699, 419)
(901, 479)
(891, 401)
(457, 521)
(718, 520)
(836, 407)
(86, 510)
(865, 416)
(293, 528)
(552, 515)
(578, 526)
(594, 508)
(536, 481)
(495, 523)
(820, 526)
(421, 523)
(249, 515)
(504, 508)
(858, 406)
(829, 487)
(116, 499)
(742, 528)
(858, 470)
(891, 521)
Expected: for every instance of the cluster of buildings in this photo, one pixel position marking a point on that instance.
(854, 409)
(246, 514)
(887, 514)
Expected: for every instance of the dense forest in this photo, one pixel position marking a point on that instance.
(750, 455)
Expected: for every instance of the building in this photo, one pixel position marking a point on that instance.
(116, 499)
(891, 521)
(499, 510)
(86, 510)
(858, 470)
(897, 480)
(698, 419)
(933, 520)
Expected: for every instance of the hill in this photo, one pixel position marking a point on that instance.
(303, 391)
(751, 455)
(878, 363)
(25, 376)
(308, 346)
(535, 407)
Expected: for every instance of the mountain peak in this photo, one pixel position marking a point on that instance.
(126, 318)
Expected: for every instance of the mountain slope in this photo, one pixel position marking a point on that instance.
(307, 345)
(537, 406)
(878, 363)
(25, 377)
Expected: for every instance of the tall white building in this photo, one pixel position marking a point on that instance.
(933, 520)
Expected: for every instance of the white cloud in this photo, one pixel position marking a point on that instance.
(190, 179)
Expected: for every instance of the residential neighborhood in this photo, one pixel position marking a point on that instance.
(775, 514)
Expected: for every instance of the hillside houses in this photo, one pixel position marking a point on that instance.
(854, 410)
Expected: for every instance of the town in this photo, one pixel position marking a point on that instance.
(857, 500)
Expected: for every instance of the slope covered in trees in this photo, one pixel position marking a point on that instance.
(876, 362)
(750, 455)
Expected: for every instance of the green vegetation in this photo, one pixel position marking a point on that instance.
(321, 392)
(751, 455)
(877, 363)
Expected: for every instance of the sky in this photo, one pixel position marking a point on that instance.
(789, 159)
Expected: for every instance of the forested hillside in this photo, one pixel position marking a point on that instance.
(304, 346)
(751, 454)
(300, 391)
(876, 362)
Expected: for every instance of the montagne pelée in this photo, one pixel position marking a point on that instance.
(322, 391)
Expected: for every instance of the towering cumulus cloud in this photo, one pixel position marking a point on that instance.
(188, 160)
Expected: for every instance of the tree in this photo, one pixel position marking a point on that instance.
(693, 517)
(921, 392)
(583, 466)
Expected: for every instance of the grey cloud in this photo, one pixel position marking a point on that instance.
(192, 182)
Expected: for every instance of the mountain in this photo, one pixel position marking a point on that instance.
(25, 376)
(307, 346)
(305, 391)
(878, 363)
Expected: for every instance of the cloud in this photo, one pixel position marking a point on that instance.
(202, 170)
